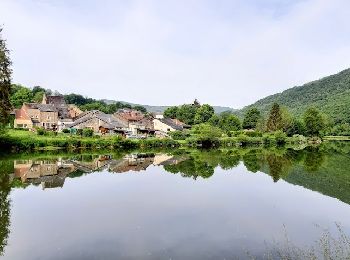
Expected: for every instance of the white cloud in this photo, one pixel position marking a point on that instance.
(169, 52)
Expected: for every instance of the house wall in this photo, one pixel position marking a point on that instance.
(48, 119)
(160, 126)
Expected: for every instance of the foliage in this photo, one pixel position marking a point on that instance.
(229, 122)
(87, 132)
(179, 135)
(314, 122)
(40, 131)
(203, 114)
(66, 131)
(274, 122)
(280, 137)
(171, 112)
(5, 83)
(251, 118)
(186, 113)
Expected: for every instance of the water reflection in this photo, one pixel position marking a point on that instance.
(322, 169)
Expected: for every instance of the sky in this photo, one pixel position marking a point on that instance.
(169, 52)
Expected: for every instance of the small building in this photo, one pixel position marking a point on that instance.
(166, 125)
(36, 115)
(99, 122)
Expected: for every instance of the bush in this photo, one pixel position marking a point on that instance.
(253, 133)
(80, 132)
(66, 131)
(280, 138)
(268, 139)
(179, 135)
(87, 132)
(40, 131)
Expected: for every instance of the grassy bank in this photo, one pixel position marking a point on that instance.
(17, 140)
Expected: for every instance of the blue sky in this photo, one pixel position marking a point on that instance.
(164, 52)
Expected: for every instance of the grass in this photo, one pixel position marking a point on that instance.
(337, 138)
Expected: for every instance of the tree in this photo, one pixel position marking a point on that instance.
(214, 120)
(251, 118)
(5, 82)
(296, 127)
(186, 114)
(203, 114)
(171, 112)
(314, 122)
(38, 96)
(229, 122)
(274, 122)
(22, 95)
(140, 108)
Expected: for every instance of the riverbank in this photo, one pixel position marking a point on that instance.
(18, 140)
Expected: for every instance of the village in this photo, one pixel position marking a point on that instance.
(54, 114)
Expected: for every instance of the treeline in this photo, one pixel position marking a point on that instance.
(331, 95)
(20, 94)
(279, 122)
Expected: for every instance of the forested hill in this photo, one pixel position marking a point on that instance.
(330, 94)
(160, 109)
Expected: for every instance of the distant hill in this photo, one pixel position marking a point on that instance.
(160, 109)
(330, 94)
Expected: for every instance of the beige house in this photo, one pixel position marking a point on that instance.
(36, 115)
(166, 125)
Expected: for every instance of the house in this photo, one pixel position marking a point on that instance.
(66, 113)
(138, 124)
(99, 122)
(32, 115)
(52, 113)
(166, 125)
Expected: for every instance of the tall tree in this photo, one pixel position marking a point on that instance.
(251, 118)
(229, 122)
(274, 122)
(171, 112)
(314, 122)
(5, 82)
(203, 114)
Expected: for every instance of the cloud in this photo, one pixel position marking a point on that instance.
(170, 52)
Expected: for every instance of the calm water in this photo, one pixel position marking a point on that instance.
(177, 205)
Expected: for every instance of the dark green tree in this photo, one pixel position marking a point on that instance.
(5, 83)
(203, 114)
(229, 122)
(251, 118)
(274, 122)
(314, 122)
(186, 114)
(171, 112)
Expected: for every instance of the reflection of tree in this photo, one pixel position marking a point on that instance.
(229, 161)
(251, 161)
(314, 159)
(6, 167)
(191, 168)
(278, 166)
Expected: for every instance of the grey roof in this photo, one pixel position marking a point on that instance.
(42, 107)
(110, 121)
(171, 123)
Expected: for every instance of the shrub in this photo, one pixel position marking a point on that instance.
(280, 138)
(179, 135)
(40, 131)
(253, 133)
(66, 131)
(87, 132)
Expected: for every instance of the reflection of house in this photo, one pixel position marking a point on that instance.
(47, 173)
(168, 125)
(133, 162)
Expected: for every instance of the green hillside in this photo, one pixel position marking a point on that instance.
(330, 94)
